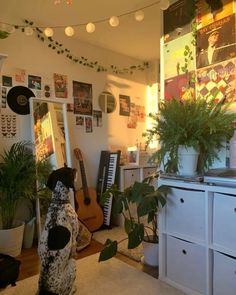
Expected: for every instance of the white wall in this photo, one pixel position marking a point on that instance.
(37, 59)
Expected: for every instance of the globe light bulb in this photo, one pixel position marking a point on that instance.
(114, 21)
(28, 31)
(48, 32)
(69, 31)
(139, 15)
(90, 27)
(164, 4)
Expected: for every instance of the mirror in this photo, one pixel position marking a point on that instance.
(51, 137)
(107, 102)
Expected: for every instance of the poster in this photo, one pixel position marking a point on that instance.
(209, 11)
(83, 98)
(132, 119)
(9, 126)
(216, 42)
(177, 19)
(124, 105)
(174, 57)
(34, 82)
(175, 87)
(60, 84)
(218, 81)
(140, 111)
(88, 124)
(79, 121)
(6, 81)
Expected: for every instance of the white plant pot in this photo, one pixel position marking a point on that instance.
(11, 240)
(29, 233)
(150, 253)
(188, 158)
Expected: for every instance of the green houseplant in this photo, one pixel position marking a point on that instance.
(201, 123)
(141, 226)
(17, 182)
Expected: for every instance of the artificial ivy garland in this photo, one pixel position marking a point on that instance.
(84, 61)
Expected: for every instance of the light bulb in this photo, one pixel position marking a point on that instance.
(90, 28)
(69, 31)
(114, 21)
(28, 31)
(139, 15)
(48, 32)
(164, 4)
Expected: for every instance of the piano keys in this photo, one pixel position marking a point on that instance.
(108, 174)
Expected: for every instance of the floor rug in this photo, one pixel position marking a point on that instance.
(109, 277)
(117, 233)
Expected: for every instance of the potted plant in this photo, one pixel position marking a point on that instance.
(17, 182)
(143, 225)
(201, 123)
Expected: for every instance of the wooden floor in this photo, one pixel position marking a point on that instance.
(30, 260)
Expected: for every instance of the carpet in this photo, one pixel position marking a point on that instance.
(109, 277)
(117, 233)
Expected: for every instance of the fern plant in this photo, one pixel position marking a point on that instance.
(195, 122)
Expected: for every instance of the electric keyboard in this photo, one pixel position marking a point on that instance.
(107, 176)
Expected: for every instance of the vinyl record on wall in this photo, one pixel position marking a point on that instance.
(18, 99)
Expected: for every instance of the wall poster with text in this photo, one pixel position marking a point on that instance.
(83, 98)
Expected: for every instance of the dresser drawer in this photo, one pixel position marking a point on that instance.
(224, 274)
(224, 221)
(186, 264)
(130, 176)
(185, 213)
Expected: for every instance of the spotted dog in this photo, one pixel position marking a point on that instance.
(57, 245)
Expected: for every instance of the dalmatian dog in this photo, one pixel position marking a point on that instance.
(57, 245)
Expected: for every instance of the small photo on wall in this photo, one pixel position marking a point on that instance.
(83, 98)
(97, 118)
(124, 105)
(6, 81)
(140, 111)
(34, 82)
(88, 124)
(79, 121)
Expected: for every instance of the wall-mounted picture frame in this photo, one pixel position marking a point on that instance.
(133, 156)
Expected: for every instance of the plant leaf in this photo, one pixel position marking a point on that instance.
(109, 250)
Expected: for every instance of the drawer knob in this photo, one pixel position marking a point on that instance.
(184, 252)
(181, 200)
(234, 209)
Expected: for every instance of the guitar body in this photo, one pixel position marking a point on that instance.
(87, 208)
(91, 215)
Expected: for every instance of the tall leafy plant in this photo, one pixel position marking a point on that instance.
(198, 122)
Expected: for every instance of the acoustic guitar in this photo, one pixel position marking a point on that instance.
(88, 210)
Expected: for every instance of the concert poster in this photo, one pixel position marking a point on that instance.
(209, 11)
(60, 84)
(218, 81)
(124, 105)
(97, 118)
(132, 119)
(83, 98)
(140, 112)
(177, 19)
(174, 58)
(178, 87)
(224, 47)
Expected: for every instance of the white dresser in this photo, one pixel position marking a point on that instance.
(197, 238)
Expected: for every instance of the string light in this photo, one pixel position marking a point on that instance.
(114, 21)
(90, 27)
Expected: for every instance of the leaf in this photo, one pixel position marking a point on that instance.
(109, 250)
(135, 237)
(4, 35)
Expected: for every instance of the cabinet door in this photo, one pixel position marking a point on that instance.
(130, 176)
(186, 264)
(185, 213)
(224, 275)
(224, 221)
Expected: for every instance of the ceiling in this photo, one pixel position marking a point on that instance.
(139, 40)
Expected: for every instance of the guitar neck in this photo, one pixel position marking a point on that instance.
(84, 180)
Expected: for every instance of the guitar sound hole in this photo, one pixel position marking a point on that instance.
(87, 201)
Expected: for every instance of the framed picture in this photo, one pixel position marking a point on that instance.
(133, 157)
